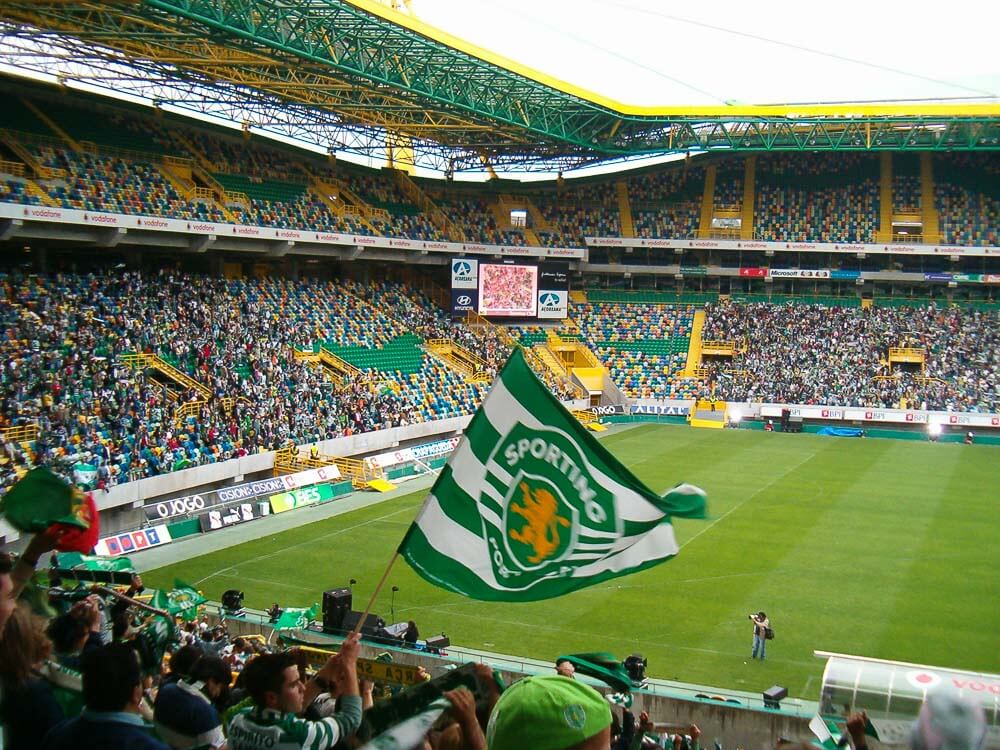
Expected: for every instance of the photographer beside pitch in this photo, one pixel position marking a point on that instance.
(761, 632)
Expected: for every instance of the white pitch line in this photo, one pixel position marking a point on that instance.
(628, 639)
(745, 500)
(220, 571)
(238, 575)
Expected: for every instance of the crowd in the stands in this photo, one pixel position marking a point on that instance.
(66, 337)
(814, 354)
(84, 667)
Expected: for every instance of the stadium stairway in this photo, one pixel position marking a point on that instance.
(550, 360)
(52, 125)
(324, 191)
(335, 368)
(931, 220)
(363, 475)
(582, 363)
(31, 188)
(458, 358)
(624, 209)
(421, 200)
(358, 205)
(166, 374)
(290, 461)
(694, 345)
(707, 414)
(590, 420)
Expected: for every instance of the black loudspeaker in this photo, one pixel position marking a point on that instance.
(774, 695)
(336, 605)
(371, 627)
(438, 642)
(232, 601)
(636, 665)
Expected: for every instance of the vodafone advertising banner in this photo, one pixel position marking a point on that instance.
(183, 226)
(792, 247)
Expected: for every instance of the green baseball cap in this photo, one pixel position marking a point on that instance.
(546, 712)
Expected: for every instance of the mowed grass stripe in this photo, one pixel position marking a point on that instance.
(832, 551)
(951, 588)
(851, 542)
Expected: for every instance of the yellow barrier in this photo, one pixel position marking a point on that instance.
(21, 433)
(906, 354)
(399, 674)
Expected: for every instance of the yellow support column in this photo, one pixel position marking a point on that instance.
(932, 228)
(52, 125)
(624, 210)
(749, 196)
(707, 202)
(884, 233)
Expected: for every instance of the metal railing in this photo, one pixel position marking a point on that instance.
(21, 433)
(12, 167)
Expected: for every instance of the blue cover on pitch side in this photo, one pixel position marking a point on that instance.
(841, 431)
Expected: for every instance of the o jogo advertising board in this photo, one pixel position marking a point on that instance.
(188, 504)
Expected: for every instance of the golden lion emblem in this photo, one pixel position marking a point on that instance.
(541, 532)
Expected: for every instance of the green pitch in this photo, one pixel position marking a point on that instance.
(881, 548)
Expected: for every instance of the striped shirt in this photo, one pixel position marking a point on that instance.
(267, 729)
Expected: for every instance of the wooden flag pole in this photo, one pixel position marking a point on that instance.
(130, 600)
(375, 593)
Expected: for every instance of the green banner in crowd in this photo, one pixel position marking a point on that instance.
(82, 567)
(411, 732)
(182, 601)
(153, 641)
(296, 619)
(318, 493)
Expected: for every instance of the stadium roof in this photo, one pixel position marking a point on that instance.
(352, 76)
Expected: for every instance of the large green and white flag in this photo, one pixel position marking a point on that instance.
(531, 506)
(85, 475)
(181, 601)
(296, 618)
(410, 733)
(826, 732)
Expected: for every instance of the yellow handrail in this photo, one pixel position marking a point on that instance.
(21, 433)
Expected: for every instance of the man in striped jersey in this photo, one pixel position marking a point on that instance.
(279, 696)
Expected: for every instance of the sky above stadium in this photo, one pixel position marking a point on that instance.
(649, 52)
(653, 52)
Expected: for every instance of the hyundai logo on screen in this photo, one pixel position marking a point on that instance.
(549, 299)
(461, 268)
(465, 299)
